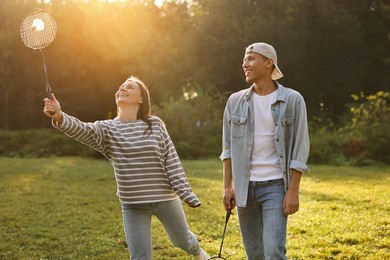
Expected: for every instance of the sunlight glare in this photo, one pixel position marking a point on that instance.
(37, 25)
(158, 3)
(112, 1)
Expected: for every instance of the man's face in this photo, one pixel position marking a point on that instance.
(256, 67)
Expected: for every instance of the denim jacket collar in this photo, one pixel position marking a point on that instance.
(280, 89)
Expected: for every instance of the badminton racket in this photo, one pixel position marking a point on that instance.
(228, 213)
(38, 30)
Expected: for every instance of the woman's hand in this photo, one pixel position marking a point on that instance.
(52, 109)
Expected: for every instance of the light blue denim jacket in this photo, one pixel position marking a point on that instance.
(291, 135)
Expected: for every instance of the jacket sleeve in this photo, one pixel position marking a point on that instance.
(175, 172)
(301, 144)
(226, 134)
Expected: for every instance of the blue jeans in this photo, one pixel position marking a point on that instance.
(137, 221)
(262, 222)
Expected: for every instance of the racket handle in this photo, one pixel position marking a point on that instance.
(229, 211)
(48, 94)
(48, 91)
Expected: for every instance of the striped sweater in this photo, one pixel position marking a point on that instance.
(146, 165)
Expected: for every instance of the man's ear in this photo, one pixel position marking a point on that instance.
(270, 63)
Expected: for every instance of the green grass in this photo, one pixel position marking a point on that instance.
(66, 208)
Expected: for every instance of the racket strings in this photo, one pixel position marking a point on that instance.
(38, 29)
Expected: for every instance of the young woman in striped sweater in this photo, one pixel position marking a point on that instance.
(149, 175)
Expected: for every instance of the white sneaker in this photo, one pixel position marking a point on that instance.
(202, 255)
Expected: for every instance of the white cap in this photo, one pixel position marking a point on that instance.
(269, 52)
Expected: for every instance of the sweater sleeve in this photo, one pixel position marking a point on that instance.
(175, 172)
(89, 134)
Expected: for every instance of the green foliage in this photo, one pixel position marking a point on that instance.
(326, 146)
(368, 132)
(326, 139)
(194, 121)
(99, 44)
(66, 208)
(41, 143)
(361, 136)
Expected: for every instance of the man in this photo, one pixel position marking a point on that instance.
(265, 149)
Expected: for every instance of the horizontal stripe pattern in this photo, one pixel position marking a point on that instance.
(146, 165)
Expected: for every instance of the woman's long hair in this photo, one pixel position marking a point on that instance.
(144, 110)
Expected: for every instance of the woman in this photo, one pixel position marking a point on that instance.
(149, 175)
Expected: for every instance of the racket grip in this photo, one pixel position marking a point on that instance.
(229, 211)
(49, 96)
(48, 91)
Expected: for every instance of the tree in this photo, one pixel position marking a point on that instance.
(327, 51)
(368, 131)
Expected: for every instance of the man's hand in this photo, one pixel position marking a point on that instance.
(291, 199)
(229, 199)
(229, 196)
(291, 202)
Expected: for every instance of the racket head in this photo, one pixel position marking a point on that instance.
(38, 29)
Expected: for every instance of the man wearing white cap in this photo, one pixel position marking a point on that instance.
(265, 146)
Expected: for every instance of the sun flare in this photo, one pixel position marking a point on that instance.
(37, 25)
(158, 3)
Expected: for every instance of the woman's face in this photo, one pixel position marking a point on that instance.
(129, 93)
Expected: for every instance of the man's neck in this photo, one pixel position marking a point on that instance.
(264, 87)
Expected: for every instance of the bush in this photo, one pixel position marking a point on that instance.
(326, 139)
(326, 146)
(41, 143)
(194, 121)
(361, 137)
(368, 130)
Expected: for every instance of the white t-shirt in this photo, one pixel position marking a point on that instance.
(265, 163)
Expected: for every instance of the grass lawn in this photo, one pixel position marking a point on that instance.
(66, 208)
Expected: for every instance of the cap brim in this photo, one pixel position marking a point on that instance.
(276, 73)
